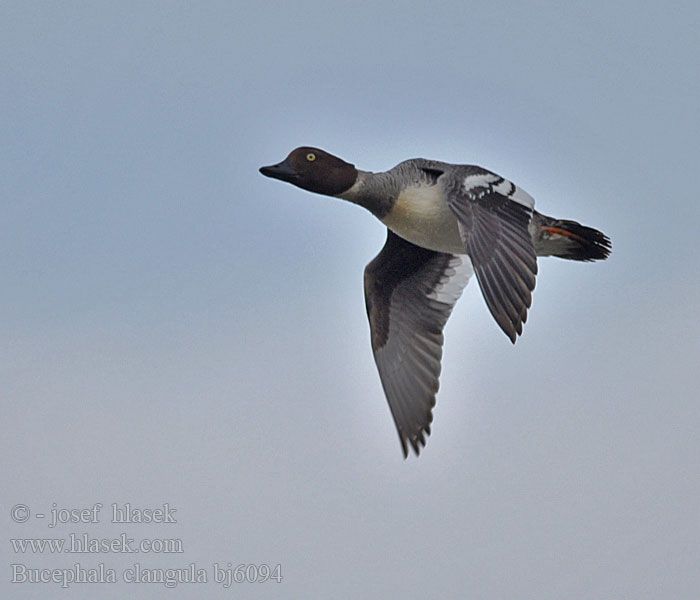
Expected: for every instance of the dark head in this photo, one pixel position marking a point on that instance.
(314, 170)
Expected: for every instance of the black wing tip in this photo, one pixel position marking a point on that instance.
(512, 327)
(512, 331)
(416, 441)
(502, 309)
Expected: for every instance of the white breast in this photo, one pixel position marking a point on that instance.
(421, 216)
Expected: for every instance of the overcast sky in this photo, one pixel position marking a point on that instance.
(179, 329)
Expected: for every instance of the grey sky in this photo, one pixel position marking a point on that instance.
(179, 329)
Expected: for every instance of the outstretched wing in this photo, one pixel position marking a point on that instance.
(493, 216)
(409, 293)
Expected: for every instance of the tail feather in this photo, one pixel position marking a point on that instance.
(570, 240)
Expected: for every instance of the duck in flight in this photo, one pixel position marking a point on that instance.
(444, 223)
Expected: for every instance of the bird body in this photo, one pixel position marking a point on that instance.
(444, 223)
(418, 193)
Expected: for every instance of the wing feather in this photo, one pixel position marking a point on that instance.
(410, 292)
(493, 216)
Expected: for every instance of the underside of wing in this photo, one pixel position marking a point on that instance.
(410, 292)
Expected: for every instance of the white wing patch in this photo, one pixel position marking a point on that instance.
(452, 283)
(481, 184)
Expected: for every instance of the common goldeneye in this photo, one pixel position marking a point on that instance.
(444, 222)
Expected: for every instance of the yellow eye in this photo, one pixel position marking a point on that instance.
(311, 157)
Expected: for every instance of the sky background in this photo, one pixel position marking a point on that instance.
(177, 328)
